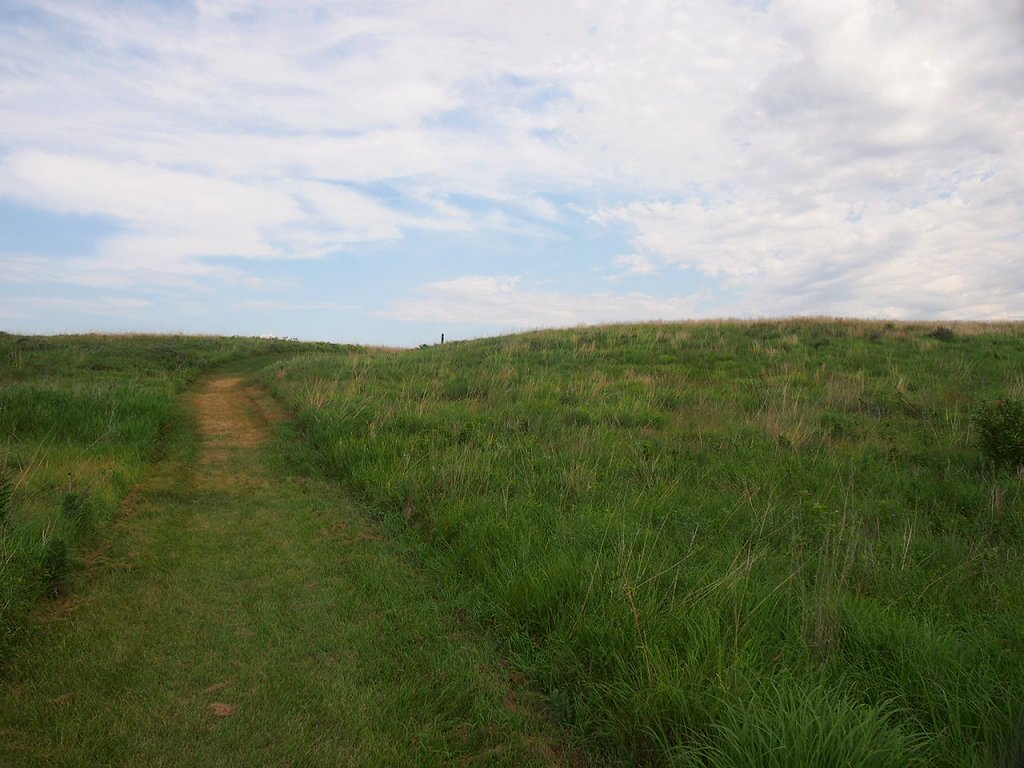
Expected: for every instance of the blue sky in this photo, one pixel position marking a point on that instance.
(383, 172)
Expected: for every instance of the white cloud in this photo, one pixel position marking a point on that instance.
(174, 219)
(817, 252)
(18, 268)
(194, 214)
(857, 156)
(504, 301)
(112, 306)
(880, 175)
(636, 263)
(289, 306)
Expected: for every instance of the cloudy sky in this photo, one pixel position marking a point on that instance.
(382, 172)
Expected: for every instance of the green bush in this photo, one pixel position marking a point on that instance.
(943, 333)
(1000, 425)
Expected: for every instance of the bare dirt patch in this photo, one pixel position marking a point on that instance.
(231, 416)
(220, 709)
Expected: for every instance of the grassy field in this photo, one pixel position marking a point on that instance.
(80, 417)
(708, 544)
(242, 612)
(727, 544)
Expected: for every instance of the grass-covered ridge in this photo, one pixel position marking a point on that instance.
(80, 417)
(720, 543)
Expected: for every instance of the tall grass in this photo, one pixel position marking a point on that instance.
(721, 543)
(80, 417)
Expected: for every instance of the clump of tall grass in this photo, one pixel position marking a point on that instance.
(1000, 425)
(6, 500)
(785, 724)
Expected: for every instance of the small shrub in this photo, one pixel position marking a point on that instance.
(1000, 425)
(943, 333)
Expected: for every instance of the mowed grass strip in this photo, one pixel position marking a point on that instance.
(241, 614)
(80, 419)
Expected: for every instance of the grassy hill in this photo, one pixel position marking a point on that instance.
(730, 544)
(716, 544)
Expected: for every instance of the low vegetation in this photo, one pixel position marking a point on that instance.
(794, 543)
(241, 612)
(1001, 431)
(791, 543)
(80, 417)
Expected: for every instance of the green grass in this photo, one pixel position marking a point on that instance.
(80, 418)
(715, 543)
(724, 544)
(242, 612)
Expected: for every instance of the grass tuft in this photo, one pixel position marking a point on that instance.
(1000, 425)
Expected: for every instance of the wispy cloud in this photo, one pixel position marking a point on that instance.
(951, 255)
(635, 263)
(287, 306)
(508, 302)
(104, 306)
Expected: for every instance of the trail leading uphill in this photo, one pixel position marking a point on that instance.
(241, 614)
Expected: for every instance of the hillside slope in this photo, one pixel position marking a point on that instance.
(713, 543)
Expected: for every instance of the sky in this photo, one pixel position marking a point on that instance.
(383, 172)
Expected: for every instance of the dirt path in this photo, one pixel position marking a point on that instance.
(241, 614)
(230, 416)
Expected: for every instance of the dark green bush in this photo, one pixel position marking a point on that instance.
(943, 333)
(1000, 425)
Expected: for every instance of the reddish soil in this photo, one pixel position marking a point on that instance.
(231, 416)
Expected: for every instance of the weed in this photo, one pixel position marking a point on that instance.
(456, 389)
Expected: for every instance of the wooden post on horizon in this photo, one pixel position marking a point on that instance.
(442, 338)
